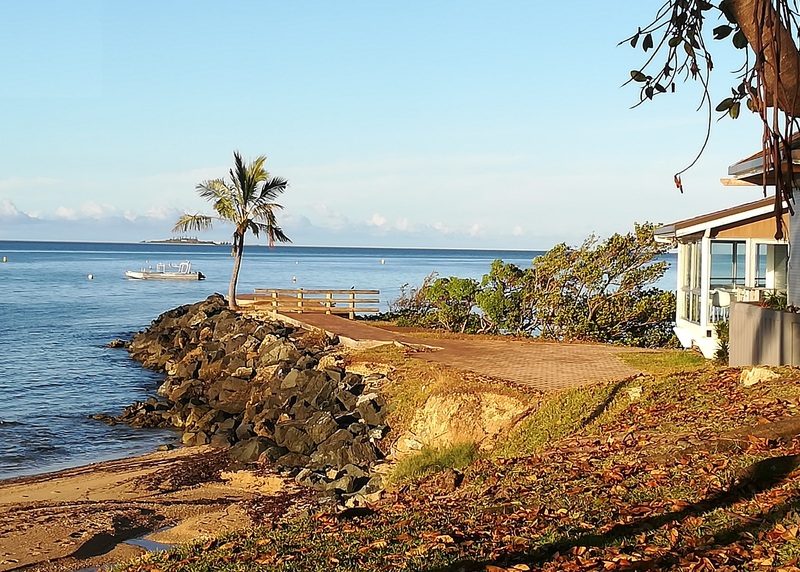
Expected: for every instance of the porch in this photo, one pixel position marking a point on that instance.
(723, 257)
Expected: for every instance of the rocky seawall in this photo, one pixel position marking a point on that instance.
(257, 388)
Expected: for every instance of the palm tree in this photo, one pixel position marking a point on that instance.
(246, 202)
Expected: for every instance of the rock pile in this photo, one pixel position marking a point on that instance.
(233, 381)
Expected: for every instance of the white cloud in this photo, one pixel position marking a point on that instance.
(377, 220)
(97, 211)
(330, 218)
(9, 211)
(441, 228)
(161, 212)
(66, 213)
(517, 231)
(476, 230)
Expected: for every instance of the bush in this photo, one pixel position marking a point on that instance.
(723, 341)
(452, 300)
(600, 291)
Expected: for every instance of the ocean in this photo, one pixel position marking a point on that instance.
(61, 303)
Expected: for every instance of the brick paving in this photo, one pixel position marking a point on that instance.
(546, 366)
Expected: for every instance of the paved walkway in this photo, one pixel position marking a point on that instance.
(547, 366)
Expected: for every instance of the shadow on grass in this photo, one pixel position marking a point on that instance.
(760, 477)
(604, 405)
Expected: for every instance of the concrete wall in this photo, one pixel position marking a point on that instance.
(759, 336)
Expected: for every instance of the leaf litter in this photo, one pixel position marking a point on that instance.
(698, 474)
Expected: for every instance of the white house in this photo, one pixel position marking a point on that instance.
(723, 256)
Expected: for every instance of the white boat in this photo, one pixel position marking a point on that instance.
(180, 271)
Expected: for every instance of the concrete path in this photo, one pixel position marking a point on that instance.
(547, 366)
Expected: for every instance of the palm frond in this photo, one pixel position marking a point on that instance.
(214, 189)
(193, 222)
(272, 230)
(272, 188)
(265, 211)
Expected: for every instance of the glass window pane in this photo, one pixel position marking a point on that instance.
(728, 267)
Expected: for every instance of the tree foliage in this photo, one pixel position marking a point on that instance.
(602, 290)
(452, 300)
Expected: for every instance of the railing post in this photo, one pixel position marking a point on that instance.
(329, 303)
(300, 301)
(352, 305)
(274, 300)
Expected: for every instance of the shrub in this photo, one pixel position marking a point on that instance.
(722, 330)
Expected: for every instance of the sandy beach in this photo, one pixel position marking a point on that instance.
(103, 513)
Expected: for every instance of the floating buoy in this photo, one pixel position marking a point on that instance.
(294, 278)
(90, 277)
(383, 261)
(5, 259)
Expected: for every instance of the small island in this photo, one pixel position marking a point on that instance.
(181, 240)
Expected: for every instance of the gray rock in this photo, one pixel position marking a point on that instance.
(320, 426)
(292, 460)
(249, 450)
(292, 436)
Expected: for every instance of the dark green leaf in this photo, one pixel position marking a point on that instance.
(674, 41)
(648, 91)
(648, 42)
(725, 104)
(660, 88)
(734, 110)
(638, 76)
(634, 40)
(751, 105)
(687, 47)
(740, 40)
(725, 8)
(721, 32)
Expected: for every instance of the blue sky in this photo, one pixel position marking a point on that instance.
(438, 124)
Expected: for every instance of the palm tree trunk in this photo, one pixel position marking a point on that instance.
(759, 23)
(238, 248)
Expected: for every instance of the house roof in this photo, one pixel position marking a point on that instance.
(750, 169)
(733, 215)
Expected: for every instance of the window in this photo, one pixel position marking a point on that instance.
(689, 295)
(727, 264)
(771, 266)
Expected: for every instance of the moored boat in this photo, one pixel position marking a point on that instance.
(180, 271)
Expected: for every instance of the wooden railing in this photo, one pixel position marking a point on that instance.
(301, 301)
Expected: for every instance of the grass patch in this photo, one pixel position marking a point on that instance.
(665, 362)
(431, 460)
(563, 415)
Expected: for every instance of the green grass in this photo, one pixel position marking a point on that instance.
(431, 460)
(563, 415)
(666, 362)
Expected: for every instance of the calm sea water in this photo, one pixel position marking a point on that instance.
(55, 322)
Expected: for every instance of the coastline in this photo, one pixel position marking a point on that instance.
(83, 517)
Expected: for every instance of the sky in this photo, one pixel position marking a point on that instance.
(452, 124)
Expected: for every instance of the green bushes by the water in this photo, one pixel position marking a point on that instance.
(600, 291)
